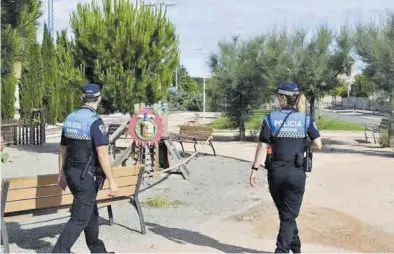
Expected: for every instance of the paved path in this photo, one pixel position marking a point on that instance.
(355, 117)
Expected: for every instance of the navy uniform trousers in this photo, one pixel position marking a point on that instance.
(84, 214)
(287, 186)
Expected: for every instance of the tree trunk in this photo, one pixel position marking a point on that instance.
(391, 126)
(242, 121)
(242, 129)
(312, 106)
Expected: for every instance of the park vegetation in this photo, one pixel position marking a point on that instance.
(132, 50)
(246, 72)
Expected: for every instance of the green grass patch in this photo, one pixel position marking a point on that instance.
(330, 123)
(162, 202)
(252, 123)
(256, 118)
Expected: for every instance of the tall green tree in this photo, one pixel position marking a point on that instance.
(51, 96)
(70, 79)
(362, 86)
(32, 83)
(236, 69)
(130, 50)
(375, 46)
(18, 30)
(317, 66)
(9, 44)
(186, 82)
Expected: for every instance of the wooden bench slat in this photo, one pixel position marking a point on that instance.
(54, 190)
(60, 200)
(126, 171)
(48, 180)
(196, 127)
(32, 181)
(64, 209)
(191, 138)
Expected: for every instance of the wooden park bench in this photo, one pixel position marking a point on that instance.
(197, 134)
(40, 195)
(384, 125)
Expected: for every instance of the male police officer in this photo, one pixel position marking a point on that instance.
(286, 130)
(84, 146)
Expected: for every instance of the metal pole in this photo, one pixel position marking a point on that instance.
(176, 79)
(50, 18)
(203, 95)
(374, 97)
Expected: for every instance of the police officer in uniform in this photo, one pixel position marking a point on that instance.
(286, 174)
(84, 146)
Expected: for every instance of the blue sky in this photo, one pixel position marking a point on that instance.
(201, 24)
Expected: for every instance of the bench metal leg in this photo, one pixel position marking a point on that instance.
(110, 215)
(213, 149)
(195, 144)
(374, 138)
(366, 137)
(183, 149)
(4, 235)
(136, 203)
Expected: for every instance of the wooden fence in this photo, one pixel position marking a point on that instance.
(25, 132)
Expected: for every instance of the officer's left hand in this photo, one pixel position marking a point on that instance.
(253, 177)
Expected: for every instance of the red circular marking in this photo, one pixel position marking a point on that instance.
(157, 119)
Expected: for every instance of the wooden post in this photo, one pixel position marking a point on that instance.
(157, 161)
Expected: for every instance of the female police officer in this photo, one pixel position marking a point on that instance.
(285, 131)
(83, 155)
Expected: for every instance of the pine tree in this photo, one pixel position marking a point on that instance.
(70, 78)
(18, 31)
(32, 84)
(130, 50)
(51, 95)
(9, 44)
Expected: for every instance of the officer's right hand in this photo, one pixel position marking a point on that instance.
(61, 181)
(113, 188)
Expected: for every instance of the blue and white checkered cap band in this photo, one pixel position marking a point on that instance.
(284, 92)
(91, 94)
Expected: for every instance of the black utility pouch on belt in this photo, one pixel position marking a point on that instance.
(307, 154)
(269, 157)
(308, 157)
(299, 160)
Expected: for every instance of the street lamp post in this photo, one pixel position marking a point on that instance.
(203, 96)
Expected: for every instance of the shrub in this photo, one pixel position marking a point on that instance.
(384, 139)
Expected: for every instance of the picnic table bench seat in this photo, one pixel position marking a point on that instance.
(196, 134)
(383, 125)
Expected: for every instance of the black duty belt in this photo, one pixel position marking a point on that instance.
(287, 159)
(78, 164)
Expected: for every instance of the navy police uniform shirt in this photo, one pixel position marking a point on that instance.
(83, 131)
(290, 140)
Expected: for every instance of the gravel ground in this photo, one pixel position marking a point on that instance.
(347, 207)
(218, 187)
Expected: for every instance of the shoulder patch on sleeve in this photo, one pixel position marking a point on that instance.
(102, 129)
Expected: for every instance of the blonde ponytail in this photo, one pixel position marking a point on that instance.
(301, 103)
